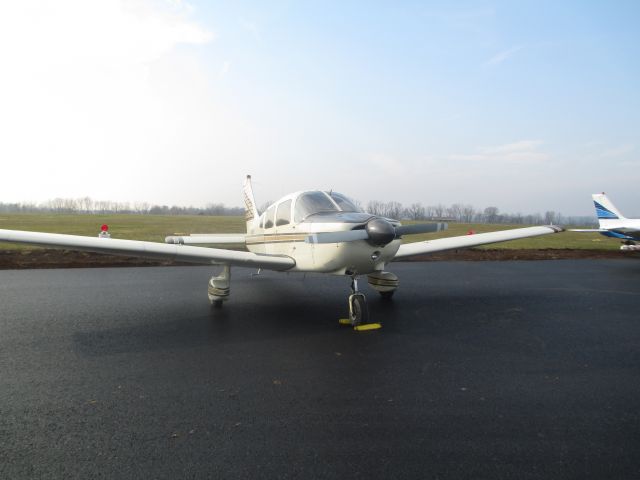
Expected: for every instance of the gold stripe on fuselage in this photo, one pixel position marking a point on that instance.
(275, 238)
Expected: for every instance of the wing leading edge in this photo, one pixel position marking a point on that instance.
(466, 241)
(207, 238)
(138, 248)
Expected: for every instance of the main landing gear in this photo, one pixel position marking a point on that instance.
(630, 246)
(219, 287)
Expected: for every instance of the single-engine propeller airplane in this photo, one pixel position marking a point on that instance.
(308, 231)
(613, 224)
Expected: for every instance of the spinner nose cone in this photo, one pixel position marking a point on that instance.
(380, 232)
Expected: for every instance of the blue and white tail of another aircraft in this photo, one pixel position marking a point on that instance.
(614, 224)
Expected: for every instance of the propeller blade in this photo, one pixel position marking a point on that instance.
(336, 237)
(420, 228)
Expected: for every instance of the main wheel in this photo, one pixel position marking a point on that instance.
(387, 295)
(359, 310)
(216, 304)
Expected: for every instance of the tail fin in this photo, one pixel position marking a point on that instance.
(605, 209)
(250, 211)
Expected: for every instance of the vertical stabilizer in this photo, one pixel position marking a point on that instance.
(250, 210)
(605, 209)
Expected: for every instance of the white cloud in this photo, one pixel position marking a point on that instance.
(252, 27)
(504, 55)
(386, 164)
(521, 152)
(226, 68)
(40, 34)
(99, 89)
(619, 151)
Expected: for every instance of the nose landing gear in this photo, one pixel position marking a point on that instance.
(358, 311)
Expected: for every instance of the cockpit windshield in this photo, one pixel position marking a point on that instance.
(310, 203)
(343, 202)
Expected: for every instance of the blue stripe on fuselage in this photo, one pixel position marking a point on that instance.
(616, 235)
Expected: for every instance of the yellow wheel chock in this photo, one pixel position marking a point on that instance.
(367, 326)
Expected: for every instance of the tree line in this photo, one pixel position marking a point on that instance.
(87, 205)
(456, 212)
(464, 213)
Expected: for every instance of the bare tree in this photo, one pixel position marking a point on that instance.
(393, 209)
(141, 207)
(467, 213)
(439, 210)
(455, 211)
(491, 214)
(415, 211)
(374, 207)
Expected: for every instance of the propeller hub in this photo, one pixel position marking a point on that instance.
(380, 231)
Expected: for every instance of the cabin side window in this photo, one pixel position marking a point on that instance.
(283, 216)
(270, 217)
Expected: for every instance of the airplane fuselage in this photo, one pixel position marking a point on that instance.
(624, 228)
(283, 230)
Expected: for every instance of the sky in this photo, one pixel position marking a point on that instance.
(528, 106)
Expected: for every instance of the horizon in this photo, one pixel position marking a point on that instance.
(88, 205)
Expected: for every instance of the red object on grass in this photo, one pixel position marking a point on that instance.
(104, 228)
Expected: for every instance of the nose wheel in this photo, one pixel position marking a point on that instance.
(358, 310)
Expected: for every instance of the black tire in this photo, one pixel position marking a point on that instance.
(359, 310)
(387, 295)
(217, 304)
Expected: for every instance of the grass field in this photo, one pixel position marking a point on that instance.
(156, 227)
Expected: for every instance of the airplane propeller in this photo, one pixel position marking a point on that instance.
(377, 231)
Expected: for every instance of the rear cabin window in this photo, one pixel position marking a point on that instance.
(269, 221)
(283, 216)
(311, 203)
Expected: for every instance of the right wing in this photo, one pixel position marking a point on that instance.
(466, 241)
(136, 248)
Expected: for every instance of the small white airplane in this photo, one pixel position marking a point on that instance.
(613, 224)
(308, 231)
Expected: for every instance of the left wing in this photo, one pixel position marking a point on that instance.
(466, 241)
(208, 238)
(136, 248)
